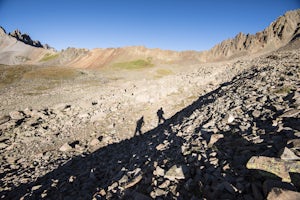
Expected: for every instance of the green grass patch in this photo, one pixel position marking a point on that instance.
(51, 73)
(11, 74)
(49, 56)
(163, 72)
(135, 64)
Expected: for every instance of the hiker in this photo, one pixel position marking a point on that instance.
(160, 116)
(139, 125)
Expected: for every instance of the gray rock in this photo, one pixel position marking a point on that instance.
(159, 192)
(291, 113)
(175, 173)
(269, 184)
(159, 171)
(256, 113)
(16, 115)
(65, 147)
(36, 187)
(287, 154)
(165, 184)
(94, 142)
(214, 138)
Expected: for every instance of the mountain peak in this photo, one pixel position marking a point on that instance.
(2, 31)
(25, 38)
(278, 34)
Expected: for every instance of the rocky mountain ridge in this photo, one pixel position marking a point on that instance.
(27, 40)
(278, 34)
(282, 31)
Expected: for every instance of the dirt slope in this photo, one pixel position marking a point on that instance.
(66, 151)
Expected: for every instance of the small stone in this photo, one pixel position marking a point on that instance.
(65, 147)
(72, 179)
(160, 147)
(165, 184)
(229, 187)
(256, 113)
(291, 113)
(288, 154)
(230, 119)
(94, 142)
(214, 138)
(159, 192)
(123, 180)
(159, 171)
(16, 115)
(44, 194)
(102, 192)
(213, 161)
(113, 186)
(175, 173)
(135, 181)
(226, 167)
(36, 187)
(185, 150)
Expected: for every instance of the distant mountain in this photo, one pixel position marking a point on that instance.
(27, 40)
(278, 34)
(17, 48)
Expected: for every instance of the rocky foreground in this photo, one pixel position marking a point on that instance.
(239, 141)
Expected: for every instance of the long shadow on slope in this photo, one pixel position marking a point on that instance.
(84, 175)
(234, 151)
(130, 163)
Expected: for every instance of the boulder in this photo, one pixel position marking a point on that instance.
(287, 154)
(175, 173)
(65, 147)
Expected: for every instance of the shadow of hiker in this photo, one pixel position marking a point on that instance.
(115, 166)
(160, 115)
(173, 161)
(139, 124)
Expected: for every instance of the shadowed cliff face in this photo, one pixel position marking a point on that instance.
(277, 35)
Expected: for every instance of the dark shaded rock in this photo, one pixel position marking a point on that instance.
(25, 38)
(269, 184)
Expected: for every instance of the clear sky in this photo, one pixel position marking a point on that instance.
(165, 24)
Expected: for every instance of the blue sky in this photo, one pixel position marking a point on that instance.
(166, 24)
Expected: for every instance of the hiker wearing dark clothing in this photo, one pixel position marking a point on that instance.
(160, 116)
(139, 125)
